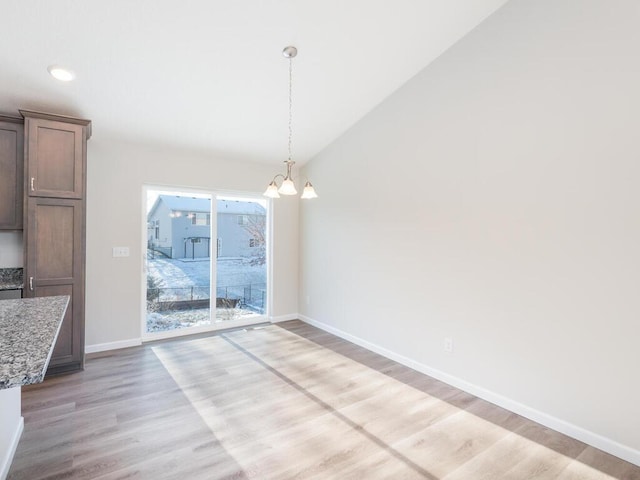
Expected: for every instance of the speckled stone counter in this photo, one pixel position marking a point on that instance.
(11, 278)
(28, 330)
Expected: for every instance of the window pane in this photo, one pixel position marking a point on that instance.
(178, 261)
(241, 289)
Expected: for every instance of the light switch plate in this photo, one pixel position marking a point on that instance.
(120, 251)
(448, 344)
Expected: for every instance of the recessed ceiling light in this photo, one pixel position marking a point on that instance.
(61, 73)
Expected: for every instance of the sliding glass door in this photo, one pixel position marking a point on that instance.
(205, 261)
(241, 264)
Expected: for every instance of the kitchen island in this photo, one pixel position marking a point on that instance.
(28, 331)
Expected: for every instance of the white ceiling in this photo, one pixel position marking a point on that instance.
(209, 75)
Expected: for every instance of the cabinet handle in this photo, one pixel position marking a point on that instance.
(31, 283)
(32, 184)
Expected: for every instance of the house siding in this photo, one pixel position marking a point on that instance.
(176, 231)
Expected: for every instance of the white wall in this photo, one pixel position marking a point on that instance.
(116, 174)
(12, 425)
(494, 199)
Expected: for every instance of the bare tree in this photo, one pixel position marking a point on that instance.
(256, 230)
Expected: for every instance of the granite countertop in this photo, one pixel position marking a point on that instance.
(11, 278)
(28, 331)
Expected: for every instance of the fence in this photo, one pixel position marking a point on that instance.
(166, 251)
(251, 296)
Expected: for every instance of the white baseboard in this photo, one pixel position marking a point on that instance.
(284, 318)
(103, 347)
(136, 342)
(595, 440)
(8, 457)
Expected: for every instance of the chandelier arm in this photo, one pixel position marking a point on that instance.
(278, 175)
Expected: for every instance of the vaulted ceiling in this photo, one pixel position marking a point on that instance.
(209, 75)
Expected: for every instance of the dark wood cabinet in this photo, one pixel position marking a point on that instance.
(55, 157)
(55, 266)
(54, 224)
(11, 172)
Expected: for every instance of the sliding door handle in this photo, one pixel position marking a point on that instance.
(31, 283)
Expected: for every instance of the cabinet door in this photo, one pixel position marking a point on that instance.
(11, 172)
(55, 266)
(55, 158)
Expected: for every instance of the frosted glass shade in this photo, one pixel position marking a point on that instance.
(272, 190)
(287, 188)
(308, 191)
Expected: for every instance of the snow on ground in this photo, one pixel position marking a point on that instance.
(178, 273)
(172, 320)
(186, 273)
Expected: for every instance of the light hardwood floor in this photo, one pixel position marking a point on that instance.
(280, 402)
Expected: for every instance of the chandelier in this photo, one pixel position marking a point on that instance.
(288, 187)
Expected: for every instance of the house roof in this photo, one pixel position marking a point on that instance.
(192, 204)
(195, 204)
(240, 208)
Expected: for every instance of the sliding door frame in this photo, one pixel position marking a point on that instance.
(213, 325)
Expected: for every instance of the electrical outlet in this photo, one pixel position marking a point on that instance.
(447, 345)
(120, 251)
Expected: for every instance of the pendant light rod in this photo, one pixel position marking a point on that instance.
(288, 187)
(290, 52)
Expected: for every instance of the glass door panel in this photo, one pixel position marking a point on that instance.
(241, 268)
(178, 260)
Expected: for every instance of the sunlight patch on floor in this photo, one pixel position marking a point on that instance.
(312, 399)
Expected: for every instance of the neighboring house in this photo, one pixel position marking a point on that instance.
(180, 227)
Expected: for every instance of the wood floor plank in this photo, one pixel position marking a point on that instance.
(284, 401)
